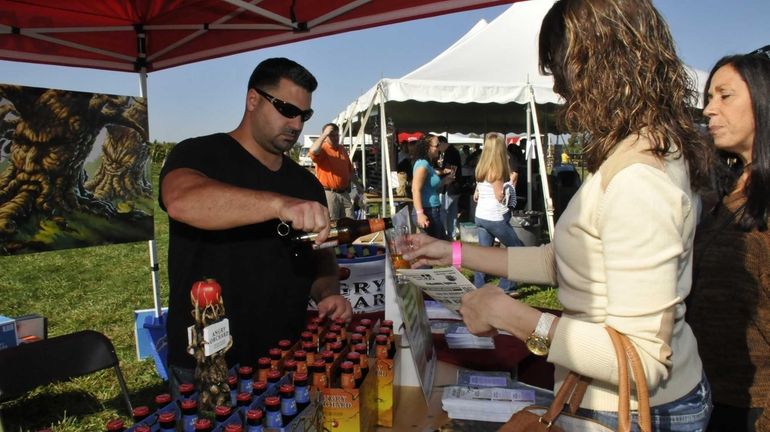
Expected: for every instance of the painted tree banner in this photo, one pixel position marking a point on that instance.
(74, 170)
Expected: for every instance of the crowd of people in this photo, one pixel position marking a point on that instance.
(686, 280)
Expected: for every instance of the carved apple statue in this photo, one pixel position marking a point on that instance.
(210, 370)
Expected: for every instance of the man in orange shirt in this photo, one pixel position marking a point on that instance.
(334, 170)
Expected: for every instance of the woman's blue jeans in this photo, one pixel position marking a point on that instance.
(504, 232)
(435, 223)
(689, 413)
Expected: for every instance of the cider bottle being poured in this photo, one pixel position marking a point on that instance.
(345, 231)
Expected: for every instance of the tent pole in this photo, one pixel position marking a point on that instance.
(151, 243)
(541, 163)
(528, 156)
(361, 136)
(385, 151)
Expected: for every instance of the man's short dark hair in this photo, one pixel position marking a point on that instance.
(269, 72)
(442, 139)
(334, 126)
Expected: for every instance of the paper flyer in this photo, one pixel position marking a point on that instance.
(446, 285)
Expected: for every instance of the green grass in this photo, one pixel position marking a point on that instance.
(92, 288)
(99, 288)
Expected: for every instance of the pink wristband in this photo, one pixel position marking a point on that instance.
(457, 254)
(420, 211)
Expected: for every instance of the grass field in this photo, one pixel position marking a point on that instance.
(98, 288)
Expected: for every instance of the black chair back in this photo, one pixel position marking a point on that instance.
(57, 359)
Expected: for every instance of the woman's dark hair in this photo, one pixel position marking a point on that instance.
(615, 64)
(422, 148)
(754, 69)
(269, 72)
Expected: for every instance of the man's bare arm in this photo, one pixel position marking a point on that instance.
(197, 200)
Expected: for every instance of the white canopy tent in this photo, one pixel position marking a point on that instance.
(486, 81)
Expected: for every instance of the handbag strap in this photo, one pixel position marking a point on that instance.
(627, 356)
(574, 387)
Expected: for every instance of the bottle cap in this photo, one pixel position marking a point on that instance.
(259, 385)
(272, 401)
(222, 410)
(140, 411)
(273, 375)
(254, 414)
(189, 404)
(203, 424)
(115, 425)
(245, 371)
(299, 377)
(286, 388)
(166, 417)
(243, 397)
(233, 427)
(232, 380)
(186, 388)
(263, 362)
(163, 399)
(274, 353)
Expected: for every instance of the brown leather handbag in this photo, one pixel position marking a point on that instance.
(561, 417)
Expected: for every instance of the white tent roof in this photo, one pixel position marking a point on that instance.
(479, 83)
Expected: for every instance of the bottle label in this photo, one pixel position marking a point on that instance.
(273, 419)
(326, 244)
(215, 336)
(244, 385)
(288, 406)
(302, 394)
(188, 423)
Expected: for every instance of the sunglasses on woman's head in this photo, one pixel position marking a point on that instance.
(284, 108)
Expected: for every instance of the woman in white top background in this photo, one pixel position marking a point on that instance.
(492, 215)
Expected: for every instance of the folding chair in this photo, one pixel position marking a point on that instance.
(60, 358)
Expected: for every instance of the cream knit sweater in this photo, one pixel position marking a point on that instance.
(622, 257)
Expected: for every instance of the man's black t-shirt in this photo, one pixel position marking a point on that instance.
(452, 158)
(265, 280)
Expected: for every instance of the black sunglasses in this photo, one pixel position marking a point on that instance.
(286, 109)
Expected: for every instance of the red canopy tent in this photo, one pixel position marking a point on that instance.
(151, 35)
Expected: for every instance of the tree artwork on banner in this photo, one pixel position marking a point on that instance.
(74, 170)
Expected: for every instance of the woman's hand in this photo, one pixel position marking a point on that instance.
(426, 250)
(478, 309)
(422, 221)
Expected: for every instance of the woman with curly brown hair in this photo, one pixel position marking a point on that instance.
(622, 249)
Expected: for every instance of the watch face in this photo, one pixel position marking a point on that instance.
(537, 345)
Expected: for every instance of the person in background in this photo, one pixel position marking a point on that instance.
(227, 196)
(334, 170)
(622, 249)
(405, 165)
(729, 307)
(425, 185)
(493, 216)
(450, 188)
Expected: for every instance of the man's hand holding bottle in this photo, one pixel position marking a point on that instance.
(308, 216)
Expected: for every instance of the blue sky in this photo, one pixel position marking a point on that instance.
(208, 97)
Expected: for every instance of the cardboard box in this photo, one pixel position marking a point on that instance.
(7, 332)
(351, 410)
(385, 372)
